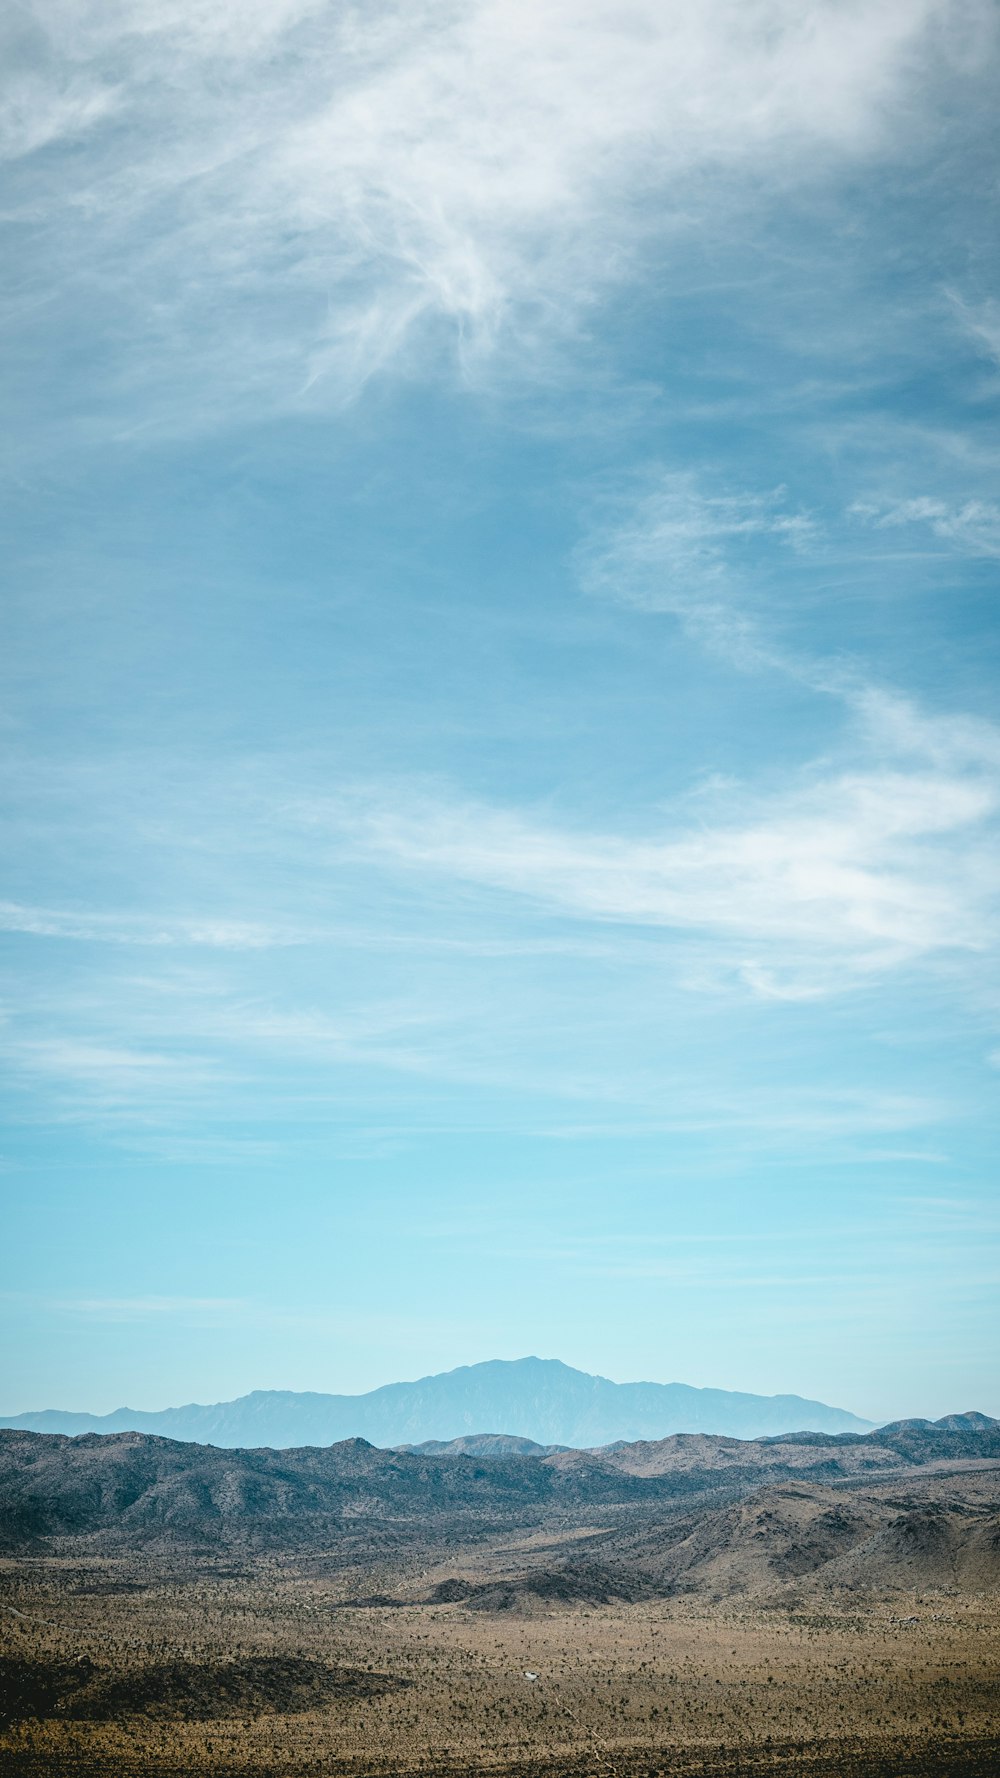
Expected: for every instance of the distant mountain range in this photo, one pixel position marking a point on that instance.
(539, 1399)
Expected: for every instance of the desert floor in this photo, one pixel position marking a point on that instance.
(261, 1668)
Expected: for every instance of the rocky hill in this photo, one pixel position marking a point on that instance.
(684, 1514)
(484, 1444)
(130, 1488)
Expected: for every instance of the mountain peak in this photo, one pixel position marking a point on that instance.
(541, 1399)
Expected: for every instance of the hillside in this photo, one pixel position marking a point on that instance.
(684, 1513)
(484, 1444)
(534, 1398)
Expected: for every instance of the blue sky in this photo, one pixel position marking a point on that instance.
(501, 750)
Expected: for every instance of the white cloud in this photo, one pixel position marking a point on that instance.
(844, 875)
(34, 114)
(298, 191)
(849, 871)
(682, 550)
(981, 321)
(113, 1075)
(88, 1082)
(218, 933)
(972, 527)
(951, 743)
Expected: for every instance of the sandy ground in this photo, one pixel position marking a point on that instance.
(904, 1685)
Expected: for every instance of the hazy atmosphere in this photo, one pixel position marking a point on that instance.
(502, 758)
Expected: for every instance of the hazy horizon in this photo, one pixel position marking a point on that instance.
(387, 1383)
(499, 697)
(182, 1400)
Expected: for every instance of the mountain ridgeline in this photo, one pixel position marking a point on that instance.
(134, 1490)
(539, 1399)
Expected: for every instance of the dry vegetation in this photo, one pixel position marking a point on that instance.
(795, 1630)
(269, 1672)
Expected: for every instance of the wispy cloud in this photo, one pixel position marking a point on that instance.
(201, 1309)
(355, 180)
(94, 925)
(317, 1318)
(843, 875)
(971, 527)
(110, 1080)
(980, 321)
(142, 1057)
(694, 553)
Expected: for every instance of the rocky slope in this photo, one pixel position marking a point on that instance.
(718, 1516)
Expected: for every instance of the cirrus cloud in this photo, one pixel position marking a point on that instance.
(844, 875)
(269, 207)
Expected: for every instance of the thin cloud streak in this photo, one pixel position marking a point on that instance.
(858, 871)
(144, 929)
(971, 527)
(143, 1308)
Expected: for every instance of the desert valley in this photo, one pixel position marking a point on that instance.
(813, 1603)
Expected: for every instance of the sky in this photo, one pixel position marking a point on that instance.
(501, 756)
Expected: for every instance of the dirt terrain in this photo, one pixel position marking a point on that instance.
(178, 1610)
